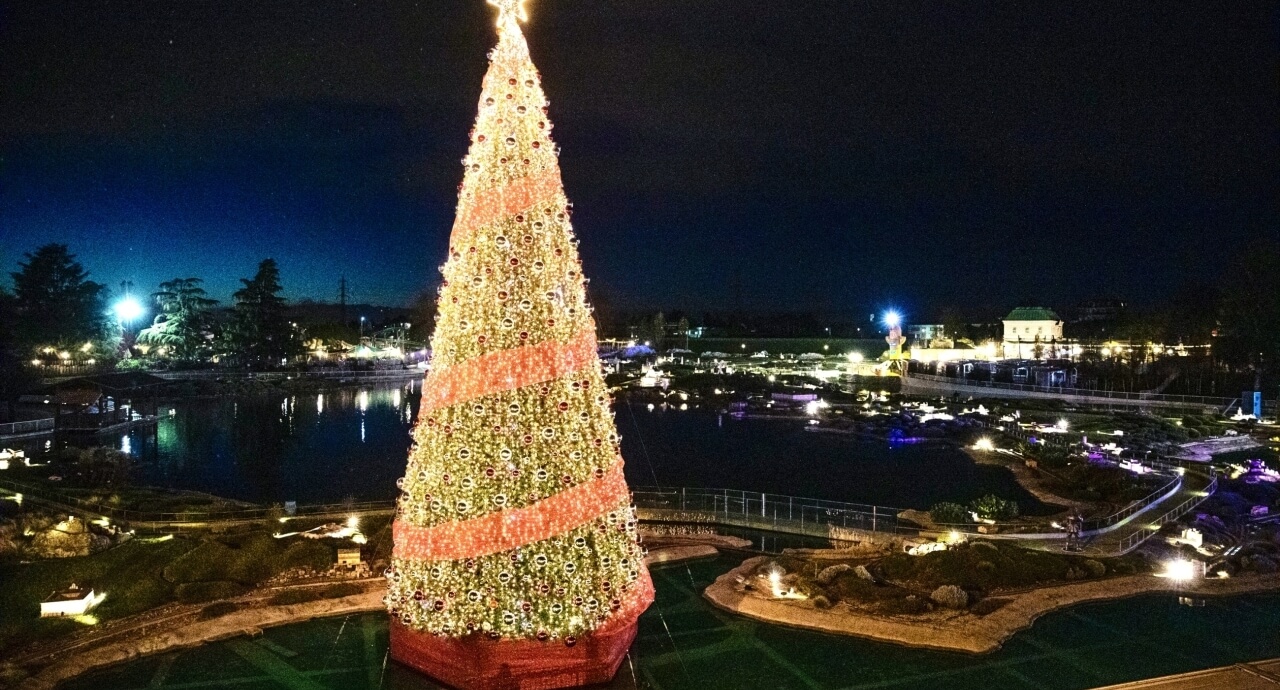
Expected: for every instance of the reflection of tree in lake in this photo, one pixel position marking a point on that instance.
(263, 443)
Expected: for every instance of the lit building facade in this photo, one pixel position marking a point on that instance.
(1032, 333)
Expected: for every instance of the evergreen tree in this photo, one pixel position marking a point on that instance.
(514, 534)
(183, 326)
(659, 332)
(15, 376)
(259, 334)
(58, 306)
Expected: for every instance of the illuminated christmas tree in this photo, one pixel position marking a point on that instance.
(516, 560)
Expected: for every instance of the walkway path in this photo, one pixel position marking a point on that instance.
(1259, 675)
(931, 386)
(1129, 533)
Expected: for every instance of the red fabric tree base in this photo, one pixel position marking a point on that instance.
(478, 663)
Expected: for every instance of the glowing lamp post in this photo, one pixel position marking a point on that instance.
(128, 310)
(1181, 570)
(893, 321)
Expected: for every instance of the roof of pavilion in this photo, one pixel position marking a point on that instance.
(1032, 314)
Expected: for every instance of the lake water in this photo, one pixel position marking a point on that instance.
(684, 642)
(353, 442)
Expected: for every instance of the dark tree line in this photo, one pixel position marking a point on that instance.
(55, 310)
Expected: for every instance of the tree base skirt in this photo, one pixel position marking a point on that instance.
(478, 663)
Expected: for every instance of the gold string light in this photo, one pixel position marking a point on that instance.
(514, 519)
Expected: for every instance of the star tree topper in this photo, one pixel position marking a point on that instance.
(510, 8)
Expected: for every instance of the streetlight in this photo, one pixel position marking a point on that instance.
(892, 319)
(128, 310)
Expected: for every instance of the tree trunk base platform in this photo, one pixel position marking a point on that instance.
(475, 662)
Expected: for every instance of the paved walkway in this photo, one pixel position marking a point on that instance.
(1260, 675)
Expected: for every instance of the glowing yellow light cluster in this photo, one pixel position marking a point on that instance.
(514, 520)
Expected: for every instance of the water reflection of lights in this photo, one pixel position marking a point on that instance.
(363, 401)
(320, 403)
(395, 397)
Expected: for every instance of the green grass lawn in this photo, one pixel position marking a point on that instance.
(130, 574)
(141, 574)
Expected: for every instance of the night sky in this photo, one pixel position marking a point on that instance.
(829, 155)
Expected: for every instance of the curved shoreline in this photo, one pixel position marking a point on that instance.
(960, 631)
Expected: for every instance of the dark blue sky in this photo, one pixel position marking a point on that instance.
(827, 154)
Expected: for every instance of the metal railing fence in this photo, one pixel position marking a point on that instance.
(1132, 541)
(28, 427)
(240, 514)
(775, 512)
(333, 373)
(1084, 392)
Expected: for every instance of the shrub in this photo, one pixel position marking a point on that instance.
(307, 553)
(1094, 568)
(828, 575)
(950, 596)
(1124, 568)
(821, 602)
(196, 592)
(991, 507)
(1052, 457)
(218, 609)
(1259, 564)
(985, 606)
(949, 513)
